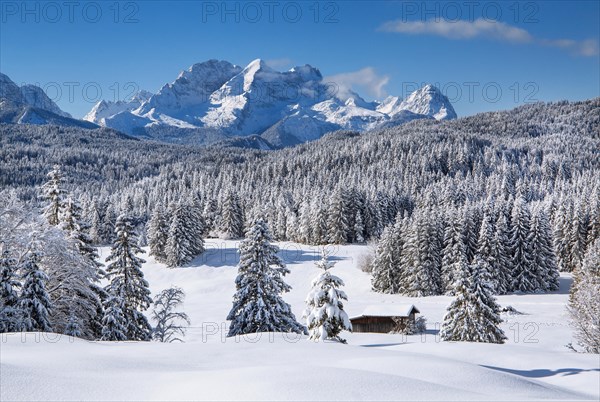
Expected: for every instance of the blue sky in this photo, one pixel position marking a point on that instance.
(484, 56)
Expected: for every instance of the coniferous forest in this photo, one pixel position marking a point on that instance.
(490, 204)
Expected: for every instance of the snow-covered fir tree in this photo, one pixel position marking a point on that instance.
(170, 323)
(53, 193)
(359, 228)
(232, 217)
(10, 316)
(337, 221)
(185, 236)
(73, 327)
(87, 294)
(502, 256)
(212, 219)
(486, 252)
(474, 315)
(421, 256)
(158, 233)
(114, 324)
(455, 251)
(257, 303)
(386, 266)
(127, 280)
(523, 269)
(324, 314)
(544, 259)
(584, 301)
(34, 301)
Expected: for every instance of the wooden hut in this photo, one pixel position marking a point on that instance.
(385, 318)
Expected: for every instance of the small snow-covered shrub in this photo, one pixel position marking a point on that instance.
(365, 261)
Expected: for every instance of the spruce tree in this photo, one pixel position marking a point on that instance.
(474, 315)
(83, 280)
(158, 233)
(455, 252)
(324, 314)
(486, 252)
(232, 218)
(9, 297)
(114, 324)
(211, 217)
(337, 220)
(387, 274)
(73, 327)
(359, 228)
(53, 193)
(257, 303)
(34, 301)
(544, 259)
(422, 256)
(185, 236)
(127, 280)
(319, 223)
(502, 256)
(523, 270)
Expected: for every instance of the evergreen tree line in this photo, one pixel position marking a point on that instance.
(424, 254)
(342, 188)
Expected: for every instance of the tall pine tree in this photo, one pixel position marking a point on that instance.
(257, 303)
(127, 280)
(474, 315)
(34, 301)
(158, 233)
(10, 316)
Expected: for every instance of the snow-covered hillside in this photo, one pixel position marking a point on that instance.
(291, 106)
(533, 365)
(29, 104)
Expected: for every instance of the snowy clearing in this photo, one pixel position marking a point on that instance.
(534, 364)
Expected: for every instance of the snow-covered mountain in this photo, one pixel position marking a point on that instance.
(428, 101)
(30, 95)
(29, 104)
(106, 109)
(285, 107)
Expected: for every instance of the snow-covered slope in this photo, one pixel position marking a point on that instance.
(532, 365)
(105, 109)
(29, 95)
(9, 90)
(29, 104)
(289, 107)
(36, 97)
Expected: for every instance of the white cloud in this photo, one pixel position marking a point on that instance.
(482, 28)
(587, 47)
(365, 80)
(460, 29)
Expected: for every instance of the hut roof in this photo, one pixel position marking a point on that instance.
(388, 310)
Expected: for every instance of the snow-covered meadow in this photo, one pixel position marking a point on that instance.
(533, 364)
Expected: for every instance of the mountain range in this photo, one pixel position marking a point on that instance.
(29, 104)
(218, 101)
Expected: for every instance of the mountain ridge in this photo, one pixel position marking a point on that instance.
(285, 108)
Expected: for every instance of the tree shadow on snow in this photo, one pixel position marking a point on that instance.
(538, 373)
(218, 255)
(382, 345)
(564, 285)
(293, 254)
